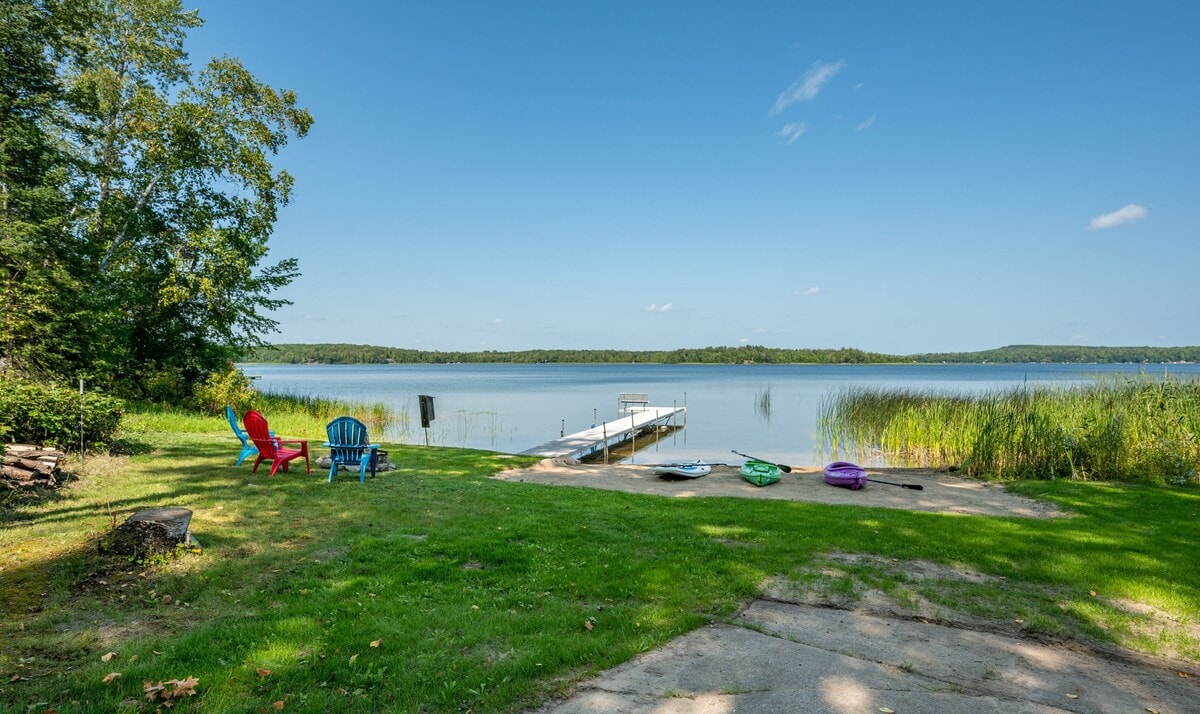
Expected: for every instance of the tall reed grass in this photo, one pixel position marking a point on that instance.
(1139, 429)
(305, 414)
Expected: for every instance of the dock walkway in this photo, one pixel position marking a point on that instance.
(619, 430)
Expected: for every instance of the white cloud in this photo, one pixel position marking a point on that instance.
(866, 123)
(745, 340)
(809, 291)
(665, 307)
(809, 86)
(791, 132)
(1126, 214)
(497, 321)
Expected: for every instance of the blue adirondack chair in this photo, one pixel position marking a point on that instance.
(248, 446)
(348, 444)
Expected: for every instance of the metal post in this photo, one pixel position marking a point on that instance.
(604, 431)
(674, 421)
(562, 429)
(81, 423)
(633, 437)
(657, 433)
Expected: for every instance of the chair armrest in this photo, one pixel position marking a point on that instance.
(290, 441)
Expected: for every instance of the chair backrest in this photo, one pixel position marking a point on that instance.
(231, 415)
(260, 433)
(346, 431)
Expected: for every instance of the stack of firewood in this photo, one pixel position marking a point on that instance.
(27, 466)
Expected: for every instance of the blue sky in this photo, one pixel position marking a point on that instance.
(899, 177)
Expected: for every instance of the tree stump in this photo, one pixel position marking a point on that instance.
(155, 531)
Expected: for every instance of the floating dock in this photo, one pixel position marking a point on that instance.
(610, 433)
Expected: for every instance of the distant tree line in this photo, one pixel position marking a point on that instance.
(750, 354)
(367, 354)
(1068, 354)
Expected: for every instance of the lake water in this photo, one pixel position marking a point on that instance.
(510, 408)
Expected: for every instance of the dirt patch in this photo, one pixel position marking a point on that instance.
(941, 492)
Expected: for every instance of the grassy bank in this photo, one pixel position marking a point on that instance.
(1140, 430)
(435, 588)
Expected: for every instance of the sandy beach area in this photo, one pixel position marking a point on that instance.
(941, 492)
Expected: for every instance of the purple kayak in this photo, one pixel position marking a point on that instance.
(846, 475)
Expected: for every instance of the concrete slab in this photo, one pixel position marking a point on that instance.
(779, 657)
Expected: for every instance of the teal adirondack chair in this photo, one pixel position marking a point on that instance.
(248, 446)
(348, 444)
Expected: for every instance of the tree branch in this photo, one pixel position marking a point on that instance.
(116, 244)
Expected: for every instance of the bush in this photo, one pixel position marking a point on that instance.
(230, 386)
(49, 415)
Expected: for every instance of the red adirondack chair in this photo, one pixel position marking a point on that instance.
(271, 447)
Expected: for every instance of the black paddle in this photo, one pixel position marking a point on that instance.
(782, 467)
(913, 486)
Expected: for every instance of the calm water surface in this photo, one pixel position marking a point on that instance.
(511, 408)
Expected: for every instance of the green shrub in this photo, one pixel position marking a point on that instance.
(230, 386)
(50, 415)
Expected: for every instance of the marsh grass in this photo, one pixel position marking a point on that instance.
(485, 595)
(1143, 430)
(762, 403)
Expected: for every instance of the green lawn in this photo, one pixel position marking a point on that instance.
(435, 588)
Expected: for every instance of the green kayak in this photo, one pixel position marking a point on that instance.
(760, 473)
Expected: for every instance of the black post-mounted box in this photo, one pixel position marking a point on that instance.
(426, 409)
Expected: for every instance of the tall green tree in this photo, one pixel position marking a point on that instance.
(170, 195)
(31, 203)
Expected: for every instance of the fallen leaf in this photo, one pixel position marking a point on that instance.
(303, 591)
(352, 658)
(110, 677)
(166, 599)
(1092, 593)
(885, 710)
(184, 688)
(1072, 696)
(1185, 675)
(133, 658)
(107, 656)
(376, 643)
(588, 624)
(263, 672)
(474, 607)
(1152, 711)
(278, 705)
(156, 652)
(151, 689)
